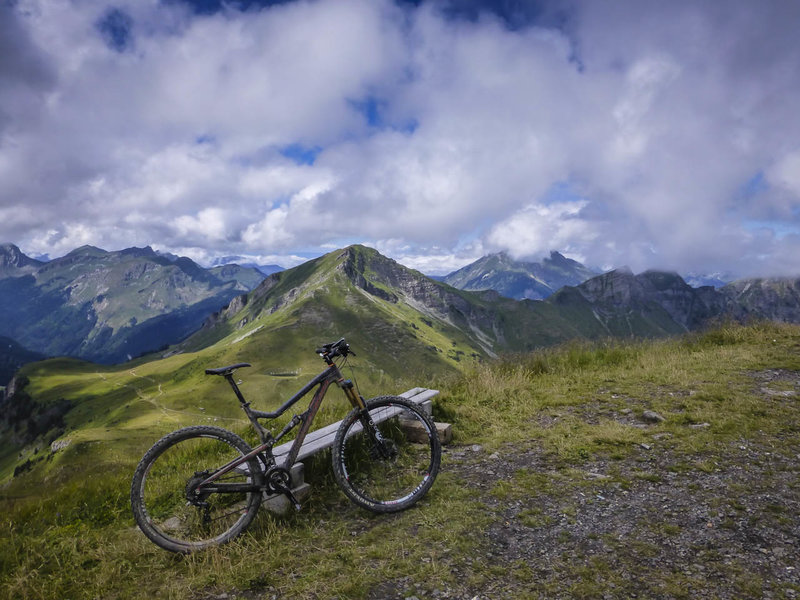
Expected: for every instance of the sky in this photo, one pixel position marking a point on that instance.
(642, 133)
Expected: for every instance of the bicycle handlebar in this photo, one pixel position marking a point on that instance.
(334, 349)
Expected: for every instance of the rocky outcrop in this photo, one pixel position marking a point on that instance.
(621, 290)
(14, 263)
(386, 279)
(775, 299)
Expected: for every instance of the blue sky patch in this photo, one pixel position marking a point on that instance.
(300, 154)
(211, 7)
(116, 27)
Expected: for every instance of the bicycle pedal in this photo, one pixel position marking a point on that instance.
(288, 493)
(289, 496)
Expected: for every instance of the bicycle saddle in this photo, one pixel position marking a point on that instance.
(226, 370)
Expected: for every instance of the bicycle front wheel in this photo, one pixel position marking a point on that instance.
(164, 497)
(386, 457)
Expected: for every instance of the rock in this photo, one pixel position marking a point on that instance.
(651, 416)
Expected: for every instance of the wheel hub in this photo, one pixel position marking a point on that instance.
(193, 495)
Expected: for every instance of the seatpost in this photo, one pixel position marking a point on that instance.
(229, 378)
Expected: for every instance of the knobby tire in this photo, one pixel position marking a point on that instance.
(170, 469)
(392, 469)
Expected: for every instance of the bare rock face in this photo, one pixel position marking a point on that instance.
(662, 299)
(777, 299)
(13, 263)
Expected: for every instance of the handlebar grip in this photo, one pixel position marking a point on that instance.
(334, 348)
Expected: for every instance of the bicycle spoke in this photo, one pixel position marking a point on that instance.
(169, 506)
(376, 463)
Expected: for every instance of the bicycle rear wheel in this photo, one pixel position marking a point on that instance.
(386, 457)
(165, 504)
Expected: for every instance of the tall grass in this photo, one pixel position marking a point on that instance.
(550, 396)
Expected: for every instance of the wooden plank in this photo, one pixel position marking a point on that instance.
(323, 438)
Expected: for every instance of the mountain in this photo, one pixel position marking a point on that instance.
(358, 292)
(519, 280)
(656, 303)
(244, 262)
(394, 312)
(777, 299)
(247, 277)
(12, 357)
(653, 303)
(14, 263)
(109, 306)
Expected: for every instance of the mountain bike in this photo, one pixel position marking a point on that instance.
(201, 486)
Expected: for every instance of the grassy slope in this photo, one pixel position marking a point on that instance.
(77, 539)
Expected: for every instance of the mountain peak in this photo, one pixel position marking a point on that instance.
(519, 279)
(13, 260)
(87, 250)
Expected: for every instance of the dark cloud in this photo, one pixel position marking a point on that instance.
(25, 74)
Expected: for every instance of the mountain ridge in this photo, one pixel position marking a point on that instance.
(109, 306)
(202, 306)
(518, 279)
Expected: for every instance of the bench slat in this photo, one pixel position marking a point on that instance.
(323, 437)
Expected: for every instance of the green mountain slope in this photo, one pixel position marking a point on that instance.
(393, 311)
(109, 306)
(518, 279)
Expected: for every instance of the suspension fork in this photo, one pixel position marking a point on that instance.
(367, 423)
(349, 390)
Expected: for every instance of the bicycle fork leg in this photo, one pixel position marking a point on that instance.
(379, 445)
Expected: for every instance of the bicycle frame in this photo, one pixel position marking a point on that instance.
(330, 375)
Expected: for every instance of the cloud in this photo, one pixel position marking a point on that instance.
(432, 130)
(536, 229)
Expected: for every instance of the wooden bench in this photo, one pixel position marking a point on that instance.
(323, 438)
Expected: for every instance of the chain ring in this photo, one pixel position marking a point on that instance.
(278, 479)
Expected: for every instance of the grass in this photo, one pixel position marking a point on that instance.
(572, 399)
(67, 530)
